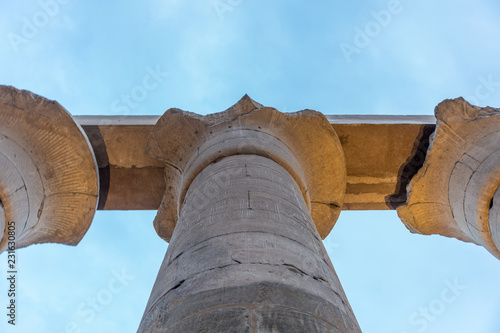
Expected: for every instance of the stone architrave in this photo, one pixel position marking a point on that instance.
(250, 192)
(455, 193)
(48, 173)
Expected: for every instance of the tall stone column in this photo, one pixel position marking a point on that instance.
(48, 174)
(250, 193)
(456, 192)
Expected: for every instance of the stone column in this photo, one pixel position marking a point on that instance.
(48, 174)
(245, 255)
(456, 192)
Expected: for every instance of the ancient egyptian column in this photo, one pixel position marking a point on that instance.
(49, 182)
(456, 192)
(248, 196)
(250, 193)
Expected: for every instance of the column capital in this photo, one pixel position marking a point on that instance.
(48, 173)
(452, 194)
(304, 143)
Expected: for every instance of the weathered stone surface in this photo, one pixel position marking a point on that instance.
(233, 319)
(245, 256)
(453, 193)
(48, 173)
(304, 143)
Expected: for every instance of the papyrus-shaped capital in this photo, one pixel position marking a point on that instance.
(304, 143)
(453, 194)
(48, 173)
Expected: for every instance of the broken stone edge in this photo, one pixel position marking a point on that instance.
(431, 206)
(178, 135)
(59, 193)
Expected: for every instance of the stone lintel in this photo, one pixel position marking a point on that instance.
(382, 153)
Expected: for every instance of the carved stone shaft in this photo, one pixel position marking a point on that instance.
(245, 256)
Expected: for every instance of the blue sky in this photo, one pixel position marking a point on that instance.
(287, 54)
